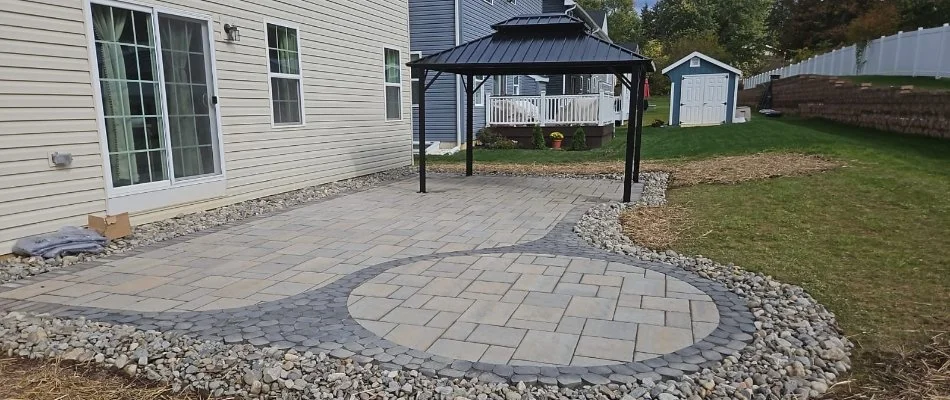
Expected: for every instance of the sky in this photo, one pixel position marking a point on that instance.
(640, 3)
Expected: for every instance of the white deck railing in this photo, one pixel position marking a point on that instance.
(543, 110)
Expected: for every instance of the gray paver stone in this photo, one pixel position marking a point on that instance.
(656, 362)
(527, 370)
(547, 380)
(623, 379)
(595, 379)
(669, 372)
(528, 379)
(503, 370)
(569, 380)
(451, 373)
(341, 353)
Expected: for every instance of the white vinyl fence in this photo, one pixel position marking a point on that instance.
(543, 110)
(924, 52)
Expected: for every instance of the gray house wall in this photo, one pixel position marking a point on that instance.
(705, 67)
(431, 30)
(476, 19)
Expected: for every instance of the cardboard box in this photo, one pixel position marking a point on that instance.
(111, 226)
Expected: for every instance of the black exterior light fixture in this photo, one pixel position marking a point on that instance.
(233, 33)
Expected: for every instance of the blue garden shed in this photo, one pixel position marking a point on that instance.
(704, 91)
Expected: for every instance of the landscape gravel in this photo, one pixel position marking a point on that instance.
(14, 268)
(797, 352)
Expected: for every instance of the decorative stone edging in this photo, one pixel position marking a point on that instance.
(319, 321)
(797, 349)
(798, 353)
(19, 267)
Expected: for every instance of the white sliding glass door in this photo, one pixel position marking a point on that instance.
(159, 120)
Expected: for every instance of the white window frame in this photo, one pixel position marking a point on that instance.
(479, 96)
(298, 76)
(390, 84)
(515, 84)
(695, 62)
(413, 81)
(497, 85)
(172, 191)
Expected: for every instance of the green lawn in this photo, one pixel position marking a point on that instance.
(673, 142)
(923, 82)
(870, 240)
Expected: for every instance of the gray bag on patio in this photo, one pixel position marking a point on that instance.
(67, 240)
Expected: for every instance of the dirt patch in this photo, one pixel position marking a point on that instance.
(736, 169)
(52, 380)
(655, 227)
(918, 375)
(583, 168)
(719, 170)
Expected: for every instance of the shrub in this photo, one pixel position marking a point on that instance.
(579, 141)
(537, 138)
(490, 139)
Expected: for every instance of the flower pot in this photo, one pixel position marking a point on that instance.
(556, 144)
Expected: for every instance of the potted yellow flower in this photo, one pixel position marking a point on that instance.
(556, 139)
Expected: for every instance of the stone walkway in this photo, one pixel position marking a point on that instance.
(480, 277)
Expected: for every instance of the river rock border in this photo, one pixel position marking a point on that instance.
(19, 267)
(319, 321)
(798, 350)
(787, 346)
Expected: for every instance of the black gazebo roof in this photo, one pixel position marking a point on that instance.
(541, 44)
(536, 44)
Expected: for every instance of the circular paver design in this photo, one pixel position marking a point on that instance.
(531, 309)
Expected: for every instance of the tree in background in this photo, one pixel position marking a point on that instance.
(665, 53)
(623, 23)
(881, 20)
(816, 24)
(671, 19)
(922, 13)
(743, 32)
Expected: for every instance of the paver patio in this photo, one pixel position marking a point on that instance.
(480, 277)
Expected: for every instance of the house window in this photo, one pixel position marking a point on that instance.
(694, 62)
(415, 74)
(158, 128)
(479, 96)
(393, 84)
(515, 83)
(283, 53)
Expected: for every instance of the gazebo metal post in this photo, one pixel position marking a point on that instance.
(469, 124)
(639, 126)
(422, 129)
(630, 173)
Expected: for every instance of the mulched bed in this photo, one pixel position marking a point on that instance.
(25, 379)
(918, 375)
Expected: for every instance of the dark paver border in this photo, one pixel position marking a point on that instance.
(319, 320)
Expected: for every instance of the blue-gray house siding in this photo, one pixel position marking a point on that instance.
(705, 67)
(477, 17)
(432, 29)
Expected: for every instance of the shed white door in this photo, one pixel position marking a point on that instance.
(703, 99)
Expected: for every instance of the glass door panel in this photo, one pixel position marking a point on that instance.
(188, 88)
(125, 54)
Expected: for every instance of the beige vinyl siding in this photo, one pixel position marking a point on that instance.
(47, 105)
